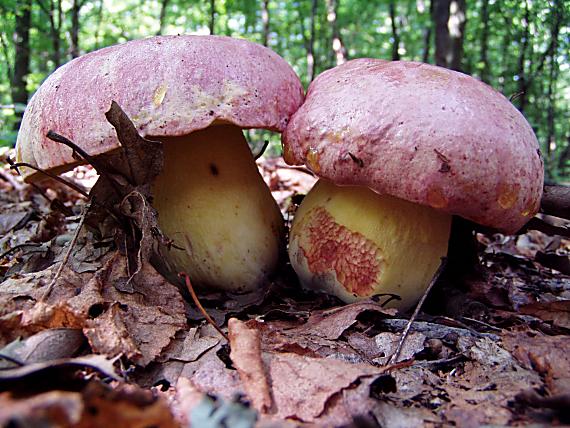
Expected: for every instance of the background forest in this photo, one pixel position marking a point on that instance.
(519, 47)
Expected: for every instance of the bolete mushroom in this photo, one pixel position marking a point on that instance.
(195, 94)
(400, 147)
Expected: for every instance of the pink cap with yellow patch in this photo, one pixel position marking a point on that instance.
(421, 133)
(167, 85)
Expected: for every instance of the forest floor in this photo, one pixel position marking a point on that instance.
(83, 345)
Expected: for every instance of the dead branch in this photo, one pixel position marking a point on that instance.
(16, 165)
(406, 331)
(67, 253)
(199, 305)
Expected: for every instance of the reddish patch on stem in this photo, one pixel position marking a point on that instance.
(333, 247)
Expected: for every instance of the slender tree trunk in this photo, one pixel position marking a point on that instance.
(449, 19)
(162, 16)
(54, 12)
(22, 55)
(338, 51)
(311, 43)
(265, 21)
(521, 73)
(485, 41)
(427, 36)
(507, 23)
(75, 13)
(552, 79)
(212, 15)
(395, 35)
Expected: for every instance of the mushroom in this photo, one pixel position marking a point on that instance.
(400, 147)
(195, 94)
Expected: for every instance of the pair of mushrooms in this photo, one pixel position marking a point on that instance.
(399, 148)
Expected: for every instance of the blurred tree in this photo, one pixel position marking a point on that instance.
(449, 19)
(21, 69)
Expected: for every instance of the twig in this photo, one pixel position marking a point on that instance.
(67, 253)
(199, 305)
(34, 185)
(19, 246)
(78, 150)
(262, 150)
(406, 331)
(482, 323)
(74, 186)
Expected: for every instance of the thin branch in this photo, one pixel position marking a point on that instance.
(406, 331)
(18, 247)
(262, 150)
(15, 165)
(67, 253)
(199, 305)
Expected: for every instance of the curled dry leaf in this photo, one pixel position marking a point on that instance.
(245, 353)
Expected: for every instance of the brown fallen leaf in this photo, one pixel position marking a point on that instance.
(245, 353)
(332, 323)
(547, 355)
(302, 386)
(109, 335)
(151, 316)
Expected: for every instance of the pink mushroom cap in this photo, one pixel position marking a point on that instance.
(421, 133)
(167, 85)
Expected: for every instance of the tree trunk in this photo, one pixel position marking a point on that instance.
(162, 17)
(449, 20)
(74, 36)
(485, 41)
(21, 55)
(311, 43)
(552, 79)
(55, 16)
(427, 36)
(507, 23)
(212, 15)
(265, 21)
(395, 35)
(521, 73)
(338, 49)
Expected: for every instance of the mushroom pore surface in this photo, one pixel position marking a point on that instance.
(213, 202)
(354, 243)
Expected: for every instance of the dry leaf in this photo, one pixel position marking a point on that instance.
(332, 323)
(547, 355)
(44, 346)
(301, 386)
(245, 353)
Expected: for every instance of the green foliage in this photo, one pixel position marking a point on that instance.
(365, 29)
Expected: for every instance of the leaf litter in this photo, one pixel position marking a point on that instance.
(115, 343)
